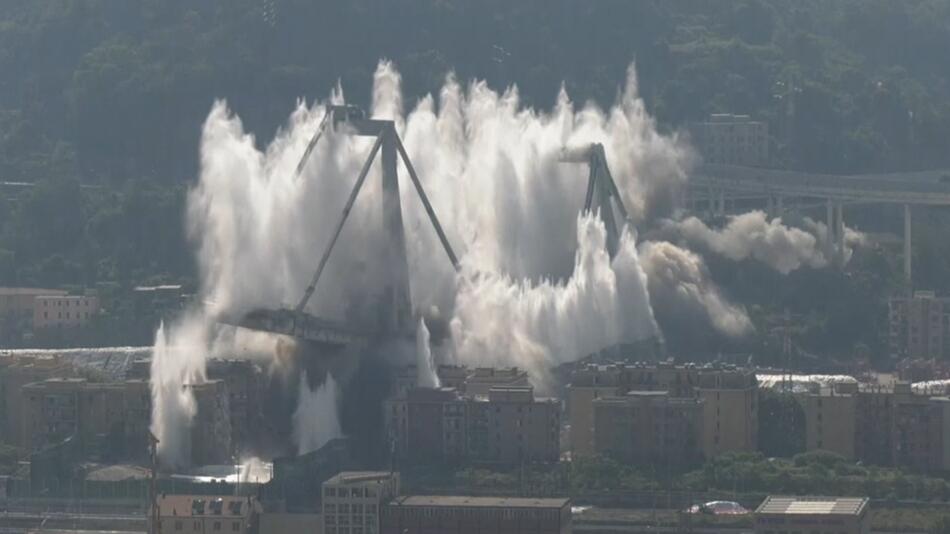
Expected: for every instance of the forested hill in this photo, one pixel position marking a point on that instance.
(113, 91)
(112, 94)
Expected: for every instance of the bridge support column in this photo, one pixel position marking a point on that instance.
(770, 206)
(839, 234)
(907, 248)
(830, 227)
(397, 312)
(722, 202)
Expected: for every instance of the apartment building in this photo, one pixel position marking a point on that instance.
(425, 514)
(511, 426)
(19, 302)
(732, 140)
(814, 515)
(63, 311)
(729, 400)
(353, 501)
(107, 419)
(17, 371)
(208, 513)
(649, 427)
(508, 426)
(918, 326)
(730, 411)
(830, 416)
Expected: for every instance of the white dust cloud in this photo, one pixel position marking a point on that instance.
(426, 371)
(753, 235)
(680, 287)
(316, 420)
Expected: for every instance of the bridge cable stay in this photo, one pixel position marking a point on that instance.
(339, 227)
(297, 322)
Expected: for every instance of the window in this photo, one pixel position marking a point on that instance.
(217, 525)
(235, 526)
(178, 525)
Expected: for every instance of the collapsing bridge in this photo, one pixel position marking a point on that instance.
(395, 309)
(396, 312)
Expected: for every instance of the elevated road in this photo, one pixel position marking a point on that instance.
(713, 185)
(931, 188)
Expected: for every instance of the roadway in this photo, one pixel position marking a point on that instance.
(916, 188)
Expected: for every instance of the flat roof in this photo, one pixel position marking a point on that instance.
(357, 477)
(457, 501)
(813, 505)
(14, 291)
(201, 505)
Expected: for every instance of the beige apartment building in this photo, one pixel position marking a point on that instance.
(729, 401)
(208, 513)
(730, 410)
(64, 311)
(507, 426)
(830, 416)
(353, 501)
(644, 427)
(814, 515)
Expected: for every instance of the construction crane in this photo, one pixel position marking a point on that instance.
(396, 307)
(602, 196)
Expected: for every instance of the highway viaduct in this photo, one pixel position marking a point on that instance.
(712, 186)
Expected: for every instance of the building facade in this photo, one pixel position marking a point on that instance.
(64, 311)
(19, 302)
(830, 416)
(507, 426)
(918, 326)
(17, 371)
(109, 420)
(729, 401)
(814, 515)
(732, 140)
(208, 513)
(730, 410)
(649, 427)
(353, 501)
(419, 514)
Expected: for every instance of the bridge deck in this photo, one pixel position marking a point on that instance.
(929, 187)
(304, 326)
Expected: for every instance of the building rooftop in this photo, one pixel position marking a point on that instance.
(813, 505)
(479, 502)
(14, 291)
(206, 505)
(359, 477)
